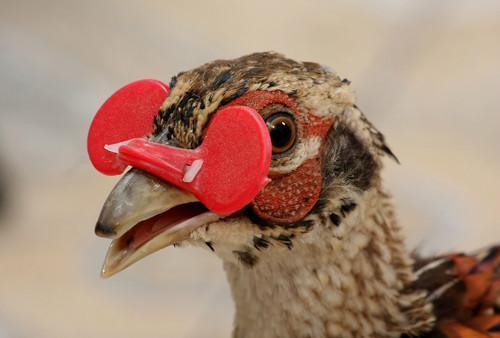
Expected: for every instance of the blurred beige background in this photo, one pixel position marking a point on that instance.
(427, 73)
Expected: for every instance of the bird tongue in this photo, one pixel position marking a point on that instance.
(145, 230)
(225, 172)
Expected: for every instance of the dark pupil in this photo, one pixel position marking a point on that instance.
(280, 133)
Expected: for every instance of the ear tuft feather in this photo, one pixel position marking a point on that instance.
(376, 137)
(389, 153)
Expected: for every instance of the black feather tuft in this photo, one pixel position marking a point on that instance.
(335, 219)
(173, 82)
(260, 243)
(210, 245)
(285, 240)
(348, 159)
(242, 90)
(246, 258)
(347, 206)
(221, 79)
(389, 152)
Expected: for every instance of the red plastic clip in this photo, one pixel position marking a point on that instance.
(225, 172)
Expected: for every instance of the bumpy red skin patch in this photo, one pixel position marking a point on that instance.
(289, 197)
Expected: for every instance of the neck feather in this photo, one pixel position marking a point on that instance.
(333, 283)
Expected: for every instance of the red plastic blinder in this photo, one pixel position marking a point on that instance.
(127, 114)
(225, 172)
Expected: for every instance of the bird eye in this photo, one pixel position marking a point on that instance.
(282, 130)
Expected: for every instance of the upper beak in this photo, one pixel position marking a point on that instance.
(143, 214)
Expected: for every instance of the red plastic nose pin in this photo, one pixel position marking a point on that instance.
(225, 172)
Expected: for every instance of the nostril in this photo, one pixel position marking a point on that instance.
(104, 230)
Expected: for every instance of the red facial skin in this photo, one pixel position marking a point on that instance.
(289, 197)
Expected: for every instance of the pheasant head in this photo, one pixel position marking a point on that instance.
(318, 251)
(325, 153)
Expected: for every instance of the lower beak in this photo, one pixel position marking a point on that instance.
(144, 214)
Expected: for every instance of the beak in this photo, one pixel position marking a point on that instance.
(144, 214)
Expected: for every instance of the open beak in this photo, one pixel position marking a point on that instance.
(144, 214)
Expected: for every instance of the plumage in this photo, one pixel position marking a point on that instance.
(319, 252)
(464, 290)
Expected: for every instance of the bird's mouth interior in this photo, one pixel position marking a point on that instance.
(154, 233)
(146, 230)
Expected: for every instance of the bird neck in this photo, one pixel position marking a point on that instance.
(349, 283)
